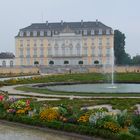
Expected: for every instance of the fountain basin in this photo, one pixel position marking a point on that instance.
(96, 88)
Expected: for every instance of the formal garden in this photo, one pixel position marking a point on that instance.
(81, 116)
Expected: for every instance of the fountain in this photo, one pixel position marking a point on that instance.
(112, 70)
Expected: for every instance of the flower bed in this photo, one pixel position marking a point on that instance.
(97, 122)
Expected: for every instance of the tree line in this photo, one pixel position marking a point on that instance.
(121, 57)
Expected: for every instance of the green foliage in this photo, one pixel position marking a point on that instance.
(123, 119)
(121, 57)
(136, 121)
(126, 136)
(136, 60)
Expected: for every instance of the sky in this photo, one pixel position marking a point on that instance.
(118, 14)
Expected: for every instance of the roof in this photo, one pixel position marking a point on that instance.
(62, 25)
(6, 55)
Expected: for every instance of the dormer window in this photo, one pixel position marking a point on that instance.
(92, 32)
(100, 31)
(34, 33)
(21, 33)
(27, 33)
(56, 32)
(107, 31)
(48, 33)
(41, 33)
(85, 32)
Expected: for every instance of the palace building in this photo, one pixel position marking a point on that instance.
(64, 43)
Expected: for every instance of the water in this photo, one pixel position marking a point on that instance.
(10, 132)
(98, 88)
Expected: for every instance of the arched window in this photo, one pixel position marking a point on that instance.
(51, 62)
(4, 63)
(36, 63)
(66, 62)
(96, 62)
(11, 63)
(80, 62)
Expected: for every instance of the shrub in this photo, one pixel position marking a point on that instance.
(111, 126)
(136, 121)
(123, 119)
(49, 114)
(126, 136)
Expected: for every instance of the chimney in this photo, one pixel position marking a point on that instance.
(47, 23)
(81, 22)
(96, 21)
(61, 22)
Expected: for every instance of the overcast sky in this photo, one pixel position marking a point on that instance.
(118, 14)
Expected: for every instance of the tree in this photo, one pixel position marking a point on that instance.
(136, 60)
(51, 62)
(80, 62)
(119, 47)
(96, 62)
(36, 63)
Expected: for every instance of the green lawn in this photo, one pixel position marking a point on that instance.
(83, 78)
(120, 104)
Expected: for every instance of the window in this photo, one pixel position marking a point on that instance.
(78, 50)
(41, 52)
(11, 63)
(56, 50)
(92, 32)
(41, 42)
(66, 62)
(100, 31)
(35, 42)
(28, 52)
(21, 33)
(107, 31)
(35, 52)
(48, 33)
(49, 51)
(99, 52)
(85, 51)
(21, 61)
(71, 50)
(41, 61)
(92, 51)
(28, 61)
(63, 51)
(108, 60)
(4, 63)
(107, 41)
(27, 33)
(80, 62)
(28, 42)
(85, 32)
(51, 62)
(108, 51)
(100, 60)
(34, 33)
(96, 62)
(21, 43)
(41, 33)
(100, 41)
(21, 52)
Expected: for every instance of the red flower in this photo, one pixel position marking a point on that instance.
(28, 103)
(1, 97)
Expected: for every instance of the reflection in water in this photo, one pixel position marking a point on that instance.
(9, 132)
